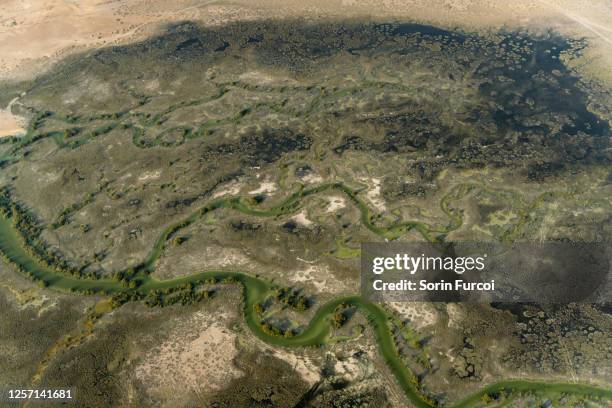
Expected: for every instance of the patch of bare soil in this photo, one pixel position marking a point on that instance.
(197, 357)
(10, 124)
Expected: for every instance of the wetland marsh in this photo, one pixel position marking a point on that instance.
(292, 142)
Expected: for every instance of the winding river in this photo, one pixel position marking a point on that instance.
(256, 290)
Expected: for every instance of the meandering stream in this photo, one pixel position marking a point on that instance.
(255, 290)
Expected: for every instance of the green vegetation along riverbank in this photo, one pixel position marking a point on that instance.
(316, 333)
